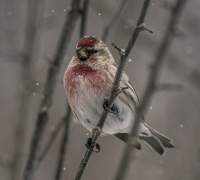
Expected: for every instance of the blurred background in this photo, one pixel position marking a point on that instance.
(173, 113)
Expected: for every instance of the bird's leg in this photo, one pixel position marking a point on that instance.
(90, 146)
(113, 109)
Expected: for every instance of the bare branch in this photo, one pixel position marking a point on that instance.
(159, 58)
(51, 139)
(191, 74)
(49, 88)
(143, 27)
(121, 51)
(25, 77)
(63, 146)
(84, 13)
(97, 130)
(112, 22)
(168, 87)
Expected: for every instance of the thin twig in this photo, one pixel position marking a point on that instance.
(97, 130)
(26, 70)
(49, 88)
(149, 90)
(120, 50)
(51, 139)
(143, 27)
(84, 13)
(58, 127)
(112, 22)
(63, 146)
(191, 74)
(168, 87)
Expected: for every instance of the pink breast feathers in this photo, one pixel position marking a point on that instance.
(96, 79)
(86, 41)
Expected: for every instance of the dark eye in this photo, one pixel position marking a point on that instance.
(93, 51)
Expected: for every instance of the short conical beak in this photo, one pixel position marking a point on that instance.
(82, 54)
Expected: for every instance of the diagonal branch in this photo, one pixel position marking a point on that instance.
(63, 146)
(25, 98)
(150, 88)
(97, 130)
(51, 139)
(191, 74)
(112, 22)
(84, 13)
(49, 88)
(60, 124)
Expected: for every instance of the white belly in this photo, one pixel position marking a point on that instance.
(89, 107)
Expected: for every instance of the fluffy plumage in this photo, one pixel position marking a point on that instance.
(88, 81)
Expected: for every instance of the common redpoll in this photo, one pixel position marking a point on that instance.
(88, 81)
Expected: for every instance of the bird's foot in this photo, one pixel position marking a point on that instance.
(113, 109)
(90, 146)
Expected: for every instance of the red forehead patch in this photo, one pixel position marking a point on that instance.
(86, 41)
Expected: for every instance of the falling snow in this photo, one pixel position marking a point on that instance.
(188, 49)
(51, 128)
(125, 27)
(9, 13)
(181, 125)
(130, 22)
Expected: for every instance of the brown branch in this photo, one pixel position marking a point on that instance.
(115, 90)
(143, 27)
(112, 22)
(191, 74)
(168, 87)
(51, 139)
(63, 146)
(159, 58)
(26, 70)
(84, 13)
(49, 88)
(61, 123)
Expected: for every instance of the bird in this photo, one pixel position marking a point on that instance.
(88, 81)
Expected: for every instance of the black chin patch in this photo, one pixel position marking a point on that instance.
(83, 59)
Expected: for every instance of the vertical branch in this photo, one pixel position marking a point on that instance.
(150, 88)
(63, 146)
(84, 13)
(51, 139)
(112, 22)
(49, 88)
(25, 78)
(124, 54)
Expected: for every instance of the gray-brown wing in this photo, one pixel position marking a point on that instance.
(128, 94)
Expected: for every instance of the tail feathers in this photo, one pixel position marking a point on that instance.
(124, 137)
(167, 142)
(154, 143)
